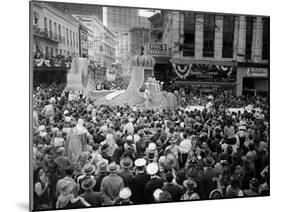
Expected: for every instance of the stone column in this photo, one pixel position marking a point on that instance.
(199, 30)
(218, 36)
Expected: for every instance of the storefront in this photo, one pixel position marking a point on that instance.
(162, 65)
(253, 80)
(203, 76)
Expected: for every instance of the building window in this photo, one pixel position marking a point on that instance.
(67, 41)
(249, 37)
(70, 33)
(189, 34)
(64, 52)
(209, 35)
(228, 36)
(56, 52)
(50, 25)
(60, 52)
(74, 39)
(47, 50)
(52, 52)
(55, 26)
(45, 24)
(59, 32)
(77, 39)
(265, 39)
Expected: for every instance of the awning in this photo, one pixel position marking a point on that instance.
(187, 61)
(162, 60)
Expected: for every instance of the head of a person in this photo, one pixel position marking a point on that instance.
(165, 196)
(169, 177)
(215, 194)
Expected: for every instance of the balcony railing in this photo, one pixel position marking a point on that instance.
(44, 33)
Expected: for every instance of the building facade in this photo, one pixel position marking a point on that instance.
(79, 9)
(139, 36)
(120, 20)
(101, 41)
(54, 32)
(210, 50)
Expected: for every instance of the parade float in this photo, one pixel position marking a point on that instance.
(143, 91)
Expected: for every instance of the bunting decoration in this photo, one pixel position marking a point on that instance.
(227, 69)
(182, 72)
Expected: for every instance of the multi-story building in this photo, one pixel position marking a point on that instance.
(83, 38)
(144, 22)
(139, 36)
(103, 44)
(79, 9)
(218, 50)
(120, 20)
(54, 32)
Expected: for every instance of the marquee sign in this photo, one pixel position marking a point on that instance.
(156, 49)
(257, 72)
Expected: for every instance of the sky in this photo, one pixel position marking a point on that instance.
(146, 13)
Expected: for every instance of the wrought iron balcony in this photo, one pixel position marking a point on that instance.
(44, 33)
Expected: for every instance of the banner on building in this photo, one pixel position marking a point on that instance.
(257, 72)
(205, 72)
(156, 49)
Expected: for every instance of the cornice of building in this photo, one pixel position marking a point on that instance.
(66, 17)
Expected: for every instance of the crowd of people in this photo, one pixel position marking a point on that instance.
(89, 156)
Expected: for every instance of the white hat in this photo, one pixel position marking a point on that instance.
(136, 137)
(118, 114)
(103, 128)
(55, 129)
(156, 193)
(140, 162)
(134, 109)
(152, 168)
(131, 119)
(151, 147)
(109, 136)
(65, 112)
(182, 124)
(125, 193)
(129, 138)
(242, 127)
(67, 119)
(41, 128)
(52, 100)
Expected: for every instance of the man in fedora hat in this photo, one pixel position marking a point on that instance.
(126, 173)
(111, 185)
(154, 182)
(88, 170)
(101, 172)
(93, 198)
(137, 182)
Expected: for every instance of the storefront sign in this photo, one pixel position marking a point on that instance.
(156, 49)
(257, 72)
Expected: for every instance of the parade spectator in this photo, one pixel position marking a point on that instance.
(111, 185)
(164, 155)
